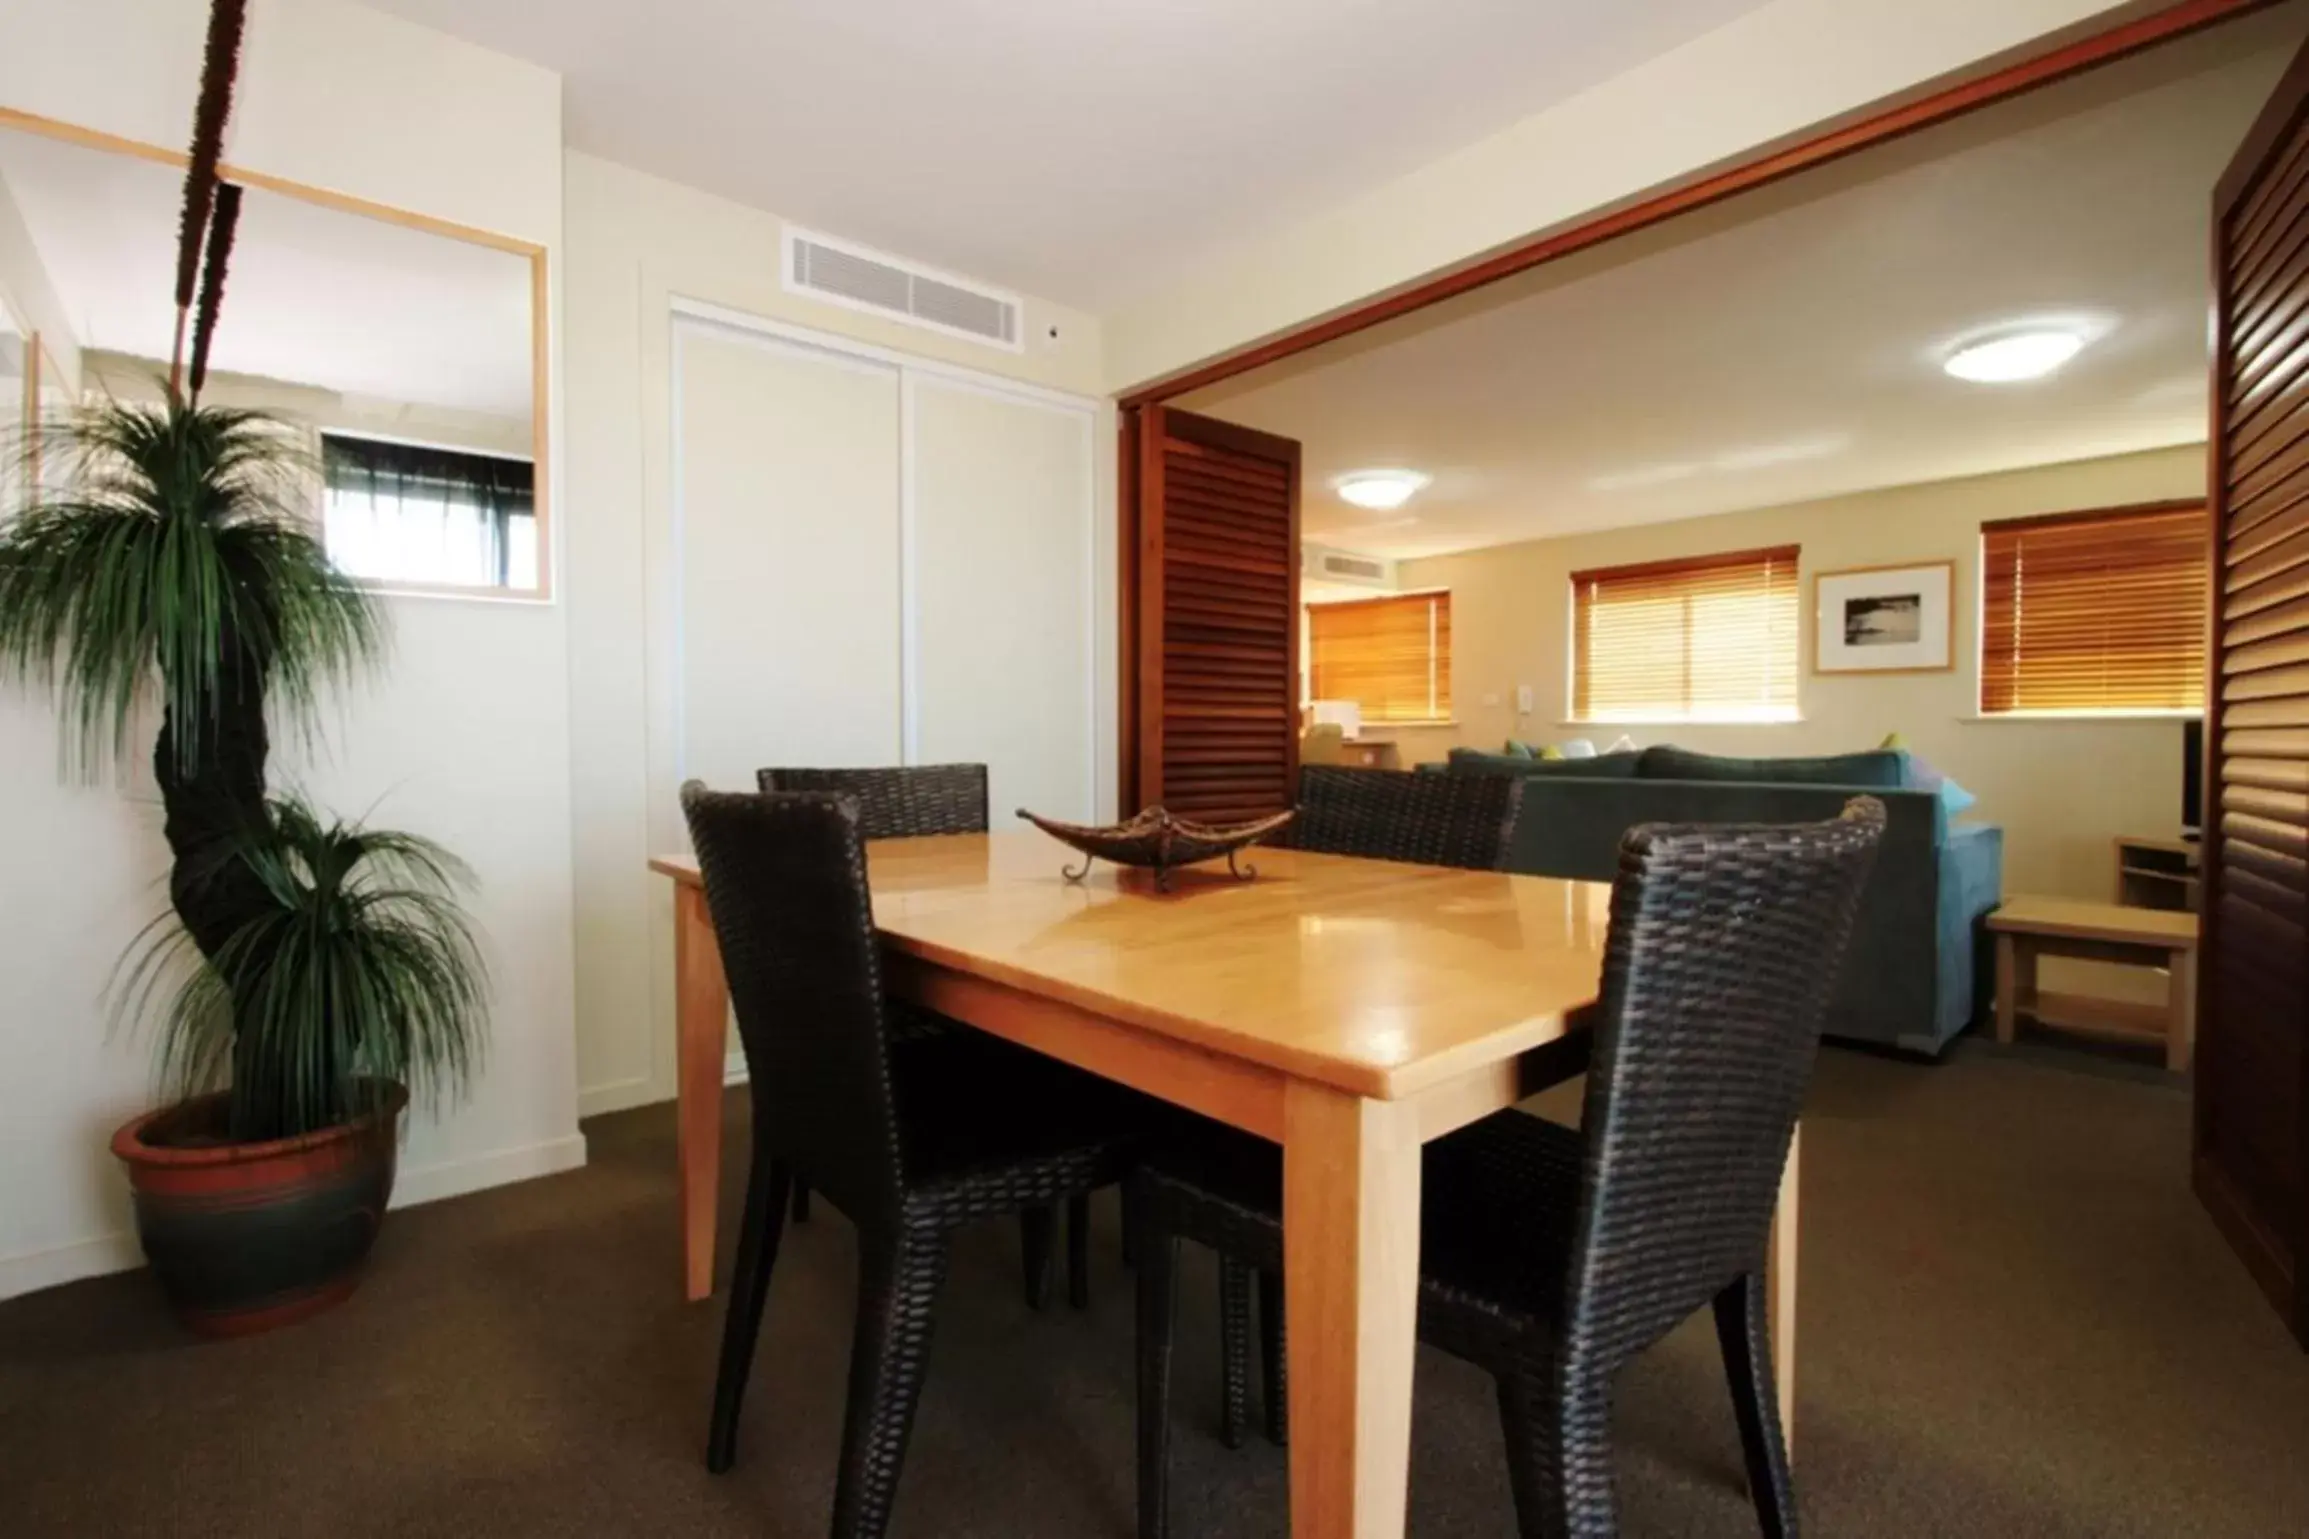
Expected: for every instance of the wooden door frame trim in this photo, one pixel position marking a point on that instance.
(2074, 57)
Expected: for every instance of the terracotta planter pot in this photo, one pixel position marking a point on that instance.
(246, 1237)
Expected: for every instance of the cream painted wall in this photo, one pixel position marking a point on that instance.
(1762, 78)
(324, 410)
(2061, 789)
(28, 293)
(637, 243)
(463, 737)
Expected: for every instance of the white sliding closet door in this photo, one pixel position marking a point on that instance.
(999, 566)
(786, 533)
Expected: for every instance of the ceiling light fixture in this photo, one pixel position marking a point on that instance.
(1385, 490)
(2014, 356)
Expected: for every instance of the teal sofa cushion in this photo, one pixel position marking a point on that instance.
(1882, 769)
(1604, 766)
(1918, 967)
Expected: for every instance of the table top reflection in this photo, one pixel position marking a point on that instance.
(1377, 977)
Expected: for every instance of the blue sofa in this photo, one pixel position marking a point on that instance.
(1919, 969)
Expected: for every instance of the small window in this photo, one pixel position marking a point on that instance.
(1391, 656)
(1711, 638)
(406, 513)
(2094, 613)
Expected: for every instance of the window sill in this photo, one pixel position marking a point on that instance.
(1688, 721)
(2040, 717)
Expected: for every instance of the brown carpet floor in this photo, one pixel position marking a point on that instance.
(2015, 1321)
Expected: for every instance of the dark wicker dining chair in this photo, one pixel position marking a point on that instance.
(909, 1139)
(1552, 1257)
(900, 802)
(916, 801)
(1466, 821)
(1431, 819)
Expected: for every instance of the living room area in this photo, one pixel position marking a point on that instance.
(1887, 478)
(1775, 501)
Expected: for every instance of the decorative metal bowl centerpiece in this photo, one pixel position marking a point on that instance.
(1157, 840)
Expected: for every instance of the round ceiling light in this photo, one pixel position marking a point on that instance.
(2014, 356)
(1381, 489)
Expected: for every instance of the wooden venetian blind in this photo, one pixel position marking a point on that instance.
(1391, 656)
(1712, 638)
(2094, 611)
(1217, 628)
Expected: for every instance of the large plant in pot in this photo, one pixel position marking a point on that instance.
(310, 975)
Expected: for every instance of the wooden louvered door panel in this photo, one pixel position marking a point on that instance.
(1216, 635)
(2252, 1136)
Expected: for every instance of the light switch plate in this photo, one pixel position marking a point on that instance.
(1523, 699)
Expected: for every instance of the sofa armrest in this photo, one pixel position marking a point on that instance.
(1971, 885)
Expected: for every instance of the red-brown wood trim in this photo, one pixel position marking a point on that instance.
(2095, 515)
(1154, 427)
(2072, 58)
(2275, 1260)
(1707, 563)
(1187, 427)
(1294, 629)
(2277, 117)
(1126, 500)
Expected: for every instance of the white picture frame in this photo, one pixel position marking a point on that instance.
(1885, 619)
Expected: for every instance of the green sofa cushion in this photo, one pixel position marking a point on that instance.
(1606, 766)
(1879, 769)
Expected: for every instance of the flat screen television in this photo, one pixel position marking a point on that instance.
(2192, 778)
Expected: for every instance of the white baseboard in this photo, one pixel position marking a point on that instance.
(31, 1270)
(499, 1167)
(616, 1096)
(626, 1094)
(28, 1271)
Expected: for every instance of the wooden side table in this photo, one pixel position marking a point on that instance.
(2157, 873)
(2028, 928)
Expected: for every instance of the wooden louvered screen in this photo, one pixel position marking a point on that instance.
(2252, 1091)
(1216, 640)
(1711, 638)
(2094, 611)
(1391, 656)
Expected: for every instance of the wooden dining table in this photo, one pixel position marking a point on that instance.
(1349, 1010)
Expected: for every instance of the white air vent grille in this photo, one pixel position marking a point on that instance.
(1322, 564)
(858, 279)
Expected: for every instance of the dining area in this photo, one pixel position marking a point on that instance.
(1307, 1060)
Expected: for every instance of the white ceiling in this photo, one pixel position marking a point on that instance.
(1786, 346)
(314, 296)
(1078, 150)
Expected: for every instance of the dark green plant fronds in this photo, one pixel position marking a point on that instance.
(363, 971)
(186, 539)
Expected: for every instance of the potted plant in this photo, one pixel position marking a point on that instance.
(311, 975)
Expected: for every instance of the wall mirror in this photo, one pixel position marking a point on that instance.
(407, 351)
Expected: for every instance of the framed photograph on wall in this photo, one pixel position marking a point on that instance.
(1885, 619)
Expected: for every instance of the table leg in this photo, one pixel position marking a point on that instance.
(1351, 1292)
(701, 1035)
(2007, 987)
(2181, 1010)
(1780, 1286)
